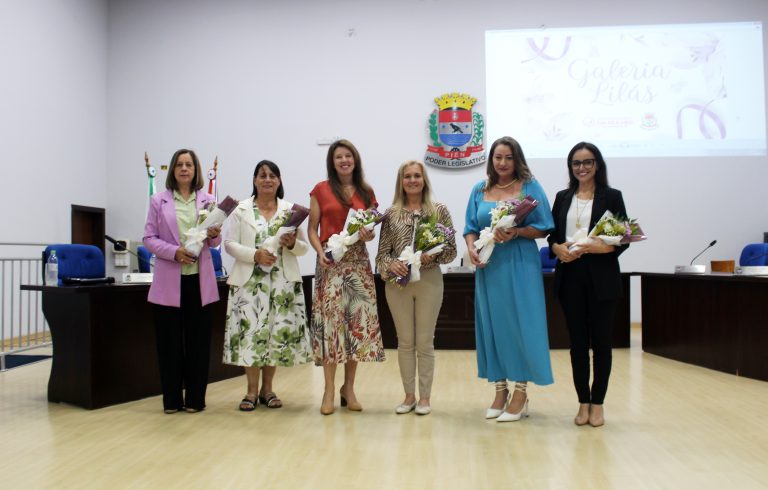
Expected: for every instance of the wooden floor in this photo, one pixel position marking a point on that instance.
(669, 425)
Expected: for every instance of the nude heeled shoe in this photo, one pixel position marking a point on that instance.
(354, 407)
(325, 409)
(582, 421)
(596, 420)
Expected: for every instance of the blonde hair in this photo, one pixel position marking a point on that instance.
(426, 193)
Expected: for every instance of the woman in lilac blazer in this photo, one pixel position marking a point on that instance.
(183, 287)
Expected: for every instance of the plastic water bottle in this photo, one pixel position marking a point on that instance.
(152, 263)
(52, 270)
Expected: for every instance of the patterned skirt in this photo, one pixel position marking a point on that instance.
(345, 322)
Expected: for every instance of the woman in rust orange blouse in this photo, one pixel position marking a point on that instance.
(345, 323)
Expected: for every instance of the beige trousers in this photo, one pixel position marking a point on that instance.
(414, 310)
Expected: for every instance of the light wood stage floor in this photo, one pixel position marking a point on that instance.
(669, 425)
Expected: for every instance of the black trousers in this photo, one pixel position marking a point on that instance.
(590, 325)
(183, 347)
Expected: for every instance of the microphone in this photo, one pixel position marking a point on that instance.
(120, 246)
(712, 244)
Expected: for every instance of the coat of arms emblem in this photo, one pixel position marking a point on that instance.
(456, 133)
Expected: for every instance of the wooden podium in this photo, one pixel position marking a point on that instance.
(104, 348)
(456, 322)
(716, 321)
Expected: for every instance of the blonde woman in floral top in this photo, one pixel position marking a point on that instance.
(414, 305)
(266, 322)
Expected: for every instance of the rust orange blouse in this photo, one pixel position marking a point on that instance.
(333, 214)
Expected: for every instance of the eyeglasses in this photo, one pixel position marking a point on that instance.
(587, 164)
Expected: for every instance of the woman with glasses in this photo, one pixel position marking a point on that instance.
(587, 280)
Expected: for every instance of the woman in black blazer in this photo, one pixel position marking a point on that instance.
(587, 279)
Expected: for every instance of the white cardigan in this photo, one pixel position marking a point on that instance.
(240, 237)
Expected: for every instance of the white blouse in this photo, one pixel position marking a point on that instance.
(581, 212)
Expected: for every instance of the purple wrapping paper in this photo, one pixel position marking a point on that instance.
(298, 215)
(523, 209)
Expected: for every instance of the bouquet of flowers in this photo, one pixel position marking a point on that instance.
(210, 215)
(505, 215)
(430, 238)
(611, 230)
(339, 243)
(286, 221)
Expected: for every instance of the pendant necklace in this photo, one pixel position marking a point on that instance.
(579, 213)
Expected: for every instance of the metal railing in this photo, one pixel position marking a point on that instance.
(22, 324)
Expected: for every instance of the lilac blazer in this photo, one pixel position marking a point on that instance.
(161, 237)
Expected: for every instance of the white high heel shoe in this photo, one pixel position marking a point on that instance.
(492, 413)
(513, 417)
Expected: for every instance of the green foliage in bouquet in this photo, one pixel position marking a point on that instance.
(616, 226)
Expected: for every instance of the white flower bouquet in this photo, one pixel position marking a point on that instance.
(209, 216)
(287, 221)
(339, 243)
(505, 215)
(611, 230)
(430, 239)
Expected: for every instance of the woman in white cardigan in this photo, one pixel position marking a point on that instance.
(266, 322)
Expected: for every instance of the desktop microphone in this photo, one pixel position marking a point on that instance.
(694, 269)
(712, 244)
(120, 247)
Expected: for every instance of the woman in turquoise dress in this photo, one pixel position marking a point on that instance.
(510, 313)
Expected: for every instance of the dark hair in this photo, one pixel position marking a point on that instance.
(358, 179)
(275, 170)
(170, 179)
(522, 171)
(601, 171)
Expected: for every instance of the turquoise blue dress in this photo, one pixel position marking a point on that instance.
(510, 313)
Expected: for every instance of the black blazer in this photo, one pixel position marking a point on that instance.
(603, 268)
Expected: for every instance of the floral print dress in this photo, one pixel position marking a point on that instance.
(266, 321)
(345, 321)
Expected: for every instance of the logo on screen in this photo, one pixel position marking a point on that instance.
(456, 133)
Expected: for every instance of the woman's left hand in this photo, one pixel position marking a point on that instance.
(214, 231)
(427, 259)
(288, 240)
(366, 235)
(595, 246)
(505, 235)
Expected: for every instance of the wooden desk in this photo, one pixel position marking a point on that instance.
(716, 321)
(456, 322)
(104, 348)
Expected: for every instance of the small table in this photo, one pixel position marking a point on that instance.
(104, 347)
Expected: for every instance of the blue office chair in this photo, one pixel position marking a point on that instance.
(547, 264)
(75, 260)
(217, 265)
(754, 254)
(145, 257)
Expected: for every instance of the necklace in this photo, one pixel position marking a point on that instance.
(506, 185)
(579, 213)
